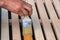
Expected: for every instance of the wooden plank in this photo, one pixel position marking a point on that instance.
(54, 18)
(36, 24)
(57, 6)
(15, 27)
(45, 21)
(4, 25)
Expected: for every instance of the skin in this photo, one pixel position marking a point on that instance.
(19, 7)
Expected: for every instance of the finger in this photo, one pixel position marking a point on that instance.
(1, 4)
(20, 14)
(25, 12)
(29, 9)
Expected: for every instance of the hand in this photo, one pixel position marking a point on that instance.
(1, 3)
(17, 6)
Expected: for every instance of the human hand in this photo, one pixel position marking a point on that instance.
(17, 6)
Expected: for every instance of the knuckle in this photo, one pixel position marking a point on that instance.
(18, 8)
(31, 9)
(30, 5)
(1, 3)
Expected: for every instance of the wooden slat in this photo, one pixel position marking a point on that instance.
(4, 25)
(45, 21)
(15, 27)
(57, 6)
(54, 18)
(36, 24)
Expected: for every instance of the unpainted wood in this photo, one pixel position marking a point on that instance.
(4, 25)
(54, 18)
(15, 27)
(45, 21)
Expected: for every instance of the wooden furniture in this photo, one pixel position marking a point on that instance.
(45, 19)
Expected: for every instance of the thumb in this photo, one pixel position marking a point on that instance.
(1, 3)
